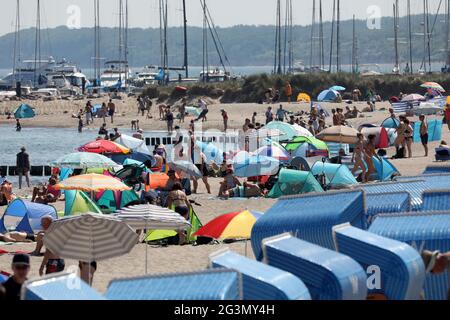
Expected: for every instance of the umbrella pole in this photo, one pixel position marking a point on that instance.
(246, 247)
(146, 249)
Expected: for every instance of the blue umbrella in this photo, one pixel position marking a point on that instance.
(328, 95)
(337, 88)
(246, 165)
(211, 152)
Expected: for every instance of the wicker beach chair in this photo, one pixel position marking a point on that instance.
(436, 200)
(387, 203)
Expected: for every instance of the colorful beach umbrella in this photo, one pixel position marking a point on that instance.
(186, 167)
(337, 88)
(413, 97)
(83, 160)
(274, 151)
(433, 85)
(104, 146)
(92, 182)
(235, 225)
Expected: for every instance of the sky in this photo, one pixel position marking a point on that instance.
(144, 13)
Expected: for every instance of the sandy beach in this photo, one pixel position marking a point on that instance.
(182, 258)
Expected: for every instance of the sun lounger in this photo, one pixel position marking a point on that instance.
(205, 285)
(260, 281)
(387, 203)
(310, 217)
(401, 268)
(329, 275)
(423, 231)
(436, 200)
(59, 286)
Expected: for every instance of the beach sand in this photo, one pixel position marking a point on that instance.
(184, 258)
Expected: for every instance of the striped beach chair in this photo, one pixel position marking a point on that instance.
(59, 286)
(329, 275)
(387, 203)
(204, 285)
(310, 217)
(436, 200)
(401, 268)
(260, 281)
(433, 169)
(413, 187)
(423, 231)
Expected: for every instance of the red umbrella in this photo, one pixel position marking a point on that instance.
(104, 146)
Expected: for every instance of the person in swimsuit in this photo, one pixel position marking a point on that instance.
(424, 133)
(247, 190)
(51, 263)
(200, 162)
(358, 156)
(408, 133)
(369, 152)
(87, 271)
(179, 202)
(400, 140)
(229, 182)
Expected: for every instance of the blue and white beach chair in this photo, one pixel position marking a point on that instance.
(59, 286)
(433, 169)
(436, 200)
(329, 275)
(423, 231)
(401, 268)
(387, 203)
(260, 281)
(205, 285)
(310, 217)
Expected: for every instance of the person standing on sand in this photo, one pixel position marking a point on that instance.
(409, 131)
(424, 133)
(88, 112)
(204, 107)
(254, 118)
(169, 119)
(80, 124)
(269, 115)
(111, 110)
(23, 166)
(288, 91)
(18, 125)
(104, 111)
(225, 120)
(369, 153)
(358, 156)
(182, 111)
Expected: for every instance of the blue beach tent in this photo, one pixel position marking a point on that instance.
(328, 95)
(24, 111)
(337, 175)
(25, 216)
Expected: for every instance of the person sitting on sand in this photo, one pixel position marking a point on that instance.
(46, 193)
(247, 190)
(15, 236)
(103, 131)
(6, 193)
(444, 145)
(230, 181)
(46, 221)
(87, 271)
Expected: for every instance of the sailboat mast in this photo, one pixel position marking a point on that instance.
(428, 36)
(186, 62)
(338, 37)
(447, 33)
(279, 71)
(37, 45)
(205, 44)
(322, 49)
(397, 66)
(291, 39)
(354, 47)
(410, 38)
(332, 36)
(126, 42)
(313, 24)
(16, 43)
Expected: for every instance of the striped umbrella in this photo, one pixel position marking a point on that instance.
(104, 146)
(433, 85)
(235, 225)
(90, 237)
(92, 182)
(152, 217)
(83, 160)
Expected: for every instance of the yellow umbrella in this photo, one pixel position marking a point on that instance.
(303, 97)
(92, 182)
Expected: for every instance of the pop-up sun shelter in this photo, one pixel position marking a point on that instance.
(114, 200)
(307, 147)
(25, 216)
(293, 182)
(337, 175)
(78, 202)
(24, 111)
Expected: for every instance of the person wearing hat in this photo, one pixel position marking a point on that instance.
(23, 166)
(20, 267)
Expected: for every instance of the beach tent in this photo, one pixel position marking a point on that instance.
(25, 216)
(158, 235)
(24, 111)
(289, 131)
(434, 131)
(292, 182)
(384, 169)
(390, 123)
(133, 144)
(337, 175)
(248, 165)
(328, 95)
(115, 200)
(307, 147)
(78, 202)
(303, 97)
(211, 152)
(381, 136)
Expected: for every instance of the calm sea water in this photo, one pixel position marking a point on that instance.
(43, 144)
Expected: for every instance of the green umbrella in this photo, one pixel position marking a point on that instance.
(298, 141)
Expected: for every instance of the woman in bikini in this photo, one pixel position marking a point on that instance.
(178, 201)
(369, 152)
(408, 137)
(358, 156)
(400, 140)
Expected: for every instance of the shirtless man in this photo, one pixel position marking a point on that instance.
(46, 221)
(52, 263)
(424, 133)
